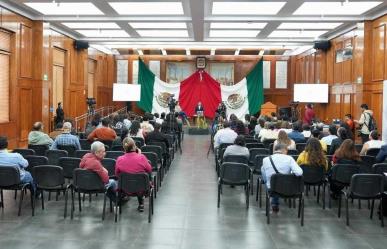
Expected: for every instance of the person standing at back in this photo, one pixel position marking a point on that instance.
(364, 123)
(309, 114)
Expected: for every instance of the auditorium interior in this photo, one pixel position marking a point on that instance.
(75, 52)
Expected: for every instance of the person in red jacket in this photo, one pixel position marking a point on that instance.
(133, 162)
(92, 161)
(309, 114)
(103, 133)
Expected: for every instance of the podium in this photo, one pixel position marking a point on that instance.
(268, 108)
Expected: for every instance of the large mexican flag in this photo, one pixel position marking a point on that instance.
(244, 97)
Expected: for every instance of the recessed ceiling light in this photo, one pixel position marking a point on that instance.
(91, 25)
(103, 33)
(163, 33)
(148, 8)
(238, 25)
(65, 8)
(335, 8)
(233, 33)
(246, 8)
(297, 33)
(158, 25)
(309, 25)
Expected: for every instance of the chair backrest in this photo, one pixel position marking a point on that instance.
(118, 131)
(367, 185)
(258, 162)
(254, 145)
(366, 164)
(117, 148)
(300, 147)
(287, 185)
(267, 142)
(81, 153)
(372, 152)
(107, 143)
(233, 172)
(153, 148)
(313, 174)
(343, 173)
(9, 176)
(69, 148)
(257, 151)
(250, 140)
(114, 154)
(236, 159)
(358, 147)
(224, 146)
(271, 148)
(24, 152)
(161, 144)
(140, 140)
(48, 176)
(293, 152)
(152, 157)
(54, 155)
(85, 144)
(34, 161)
(69, 164)
(379, 168)
(40, 150)
(87, 180)
(110, 165)
(133, 183)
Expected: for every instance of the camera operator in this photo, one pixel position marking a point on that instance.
(172, 103)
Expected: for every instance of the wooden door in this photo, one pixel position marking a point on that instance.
(90, 85)
(57, 85)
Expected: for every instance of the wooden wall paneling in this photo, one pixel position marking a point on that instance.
(378, 52)
(25, 118)
(25, 51)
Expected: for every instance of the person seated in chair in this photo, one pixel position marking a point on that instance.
(373, 143)
(38, 137)
(313, 155)
(225, 135)
(238, 148)
(283, 163)
(58, 130)
(15, 160)
(146, 126)
(66, 138)
(157, 136)
(133, 162)
(104, 133)
(92, 161)
(295, 134)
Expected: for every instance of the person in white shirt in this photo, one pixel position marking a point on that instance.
(283, 163)
(145, 125)
(306, 131)
(225, 135)
(271, 133)
(238, 148)
(373, 143)
(332, 135)
(158, 119)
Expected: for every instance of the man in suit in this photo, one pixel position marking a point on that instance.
(199, 109)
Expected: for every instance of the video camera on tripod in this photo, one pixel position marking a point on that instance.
(172, 103)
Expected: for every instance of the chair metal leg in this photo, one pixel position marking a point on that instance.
(116, 209)
(346, 210)
(359, 203)
(323, 197)
(72, 203)
(2, 199)
(150, 206)
(318, 193)
(79, 202)
(381, 212)
(299, 207)
(104, 206)
(339, 211)
(247, 195)
(260, 194)
(32, 196)
(257, 190)
(267, 208)
(219, 186)
(302, 211)
(372, 208)
(65, 209)
(21, 201)
(43, 199)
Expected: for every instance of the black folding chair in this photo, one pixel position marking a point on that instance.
(235, 174)
(10, 180)
(69, 164)
(267, 142)
(107, 143)
(366, 164)
(34, 161)
(260, 182)
(158, 151)
(24, 152)
(293, 152)
(114, 154)
(133, 184)
(254, 145)
(54, 155)
(300, 147)
(69, 148)
(117, 148)
(315, 176)
(140, 140)
(110, 165)
(286, 186)
(85, 144)
(81, 153)
(365, 187)
(40, 150)
(372, 152)
(152, 158)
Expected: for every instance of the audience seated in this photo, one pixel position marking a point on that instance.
(225, 135)
(342, 135)
(145, 125)
(104, 133)
(284, 139)
(8, 159)
(91, 127)
(270, 133)
(170, 125)
(135, 130)
(157, 136)
(246, 121)
(133, 162)
(332, 135)
(238, 148)
(295, 134)
(66, 138)
(313, 154)
(240, 128)
(58, 130)
(92, 161)
(306, 131)
(373, 143)
(259, 126)
(283, 163)
(252, 124)
(38, 137)
(126, 121)
(118, 121)
(157, 118)
(119, 139)
(316, 133)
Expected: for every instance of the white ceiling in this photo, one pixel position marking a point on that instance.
(196, 24)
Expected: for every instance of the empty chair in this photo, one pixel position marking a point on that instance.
(50, 178)
(286, 186)
(24, 152)
(54, 155)
(69, 164)
(118, 148)
(10, 180)
(40, 150)
(85, 144)
(69, 148)
(365, 187)
(315, 176)
(88, 182)
(372, 152)
(236, 174)
(110, 165)
(114, 154)
(34, 161)
(257, 171)
(134, 183)
(366, 164)
(81, 153)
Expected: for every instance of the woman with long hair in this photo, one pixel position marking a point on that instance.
(240, 128)
(341, 136)
(346, 153)
(135, 130)
(284, 139)
(313, 154)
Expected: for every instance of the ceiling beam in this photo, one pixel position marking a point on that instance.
(197, 14)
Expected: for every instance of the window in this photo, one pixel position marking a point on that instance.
(281, 74)
(5, 47)
(266, 74)
(122, 71)
(135, 72)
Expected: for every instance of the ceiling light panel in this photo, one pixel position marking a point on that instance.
(91, 25)
(233, 33)
(335, 8)
(309, 25)
(103, 33)
(158, 25)
(148, 8)
(162, 33)
(246, 8)
(296, 33)
(65, 8)
(237, 25)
